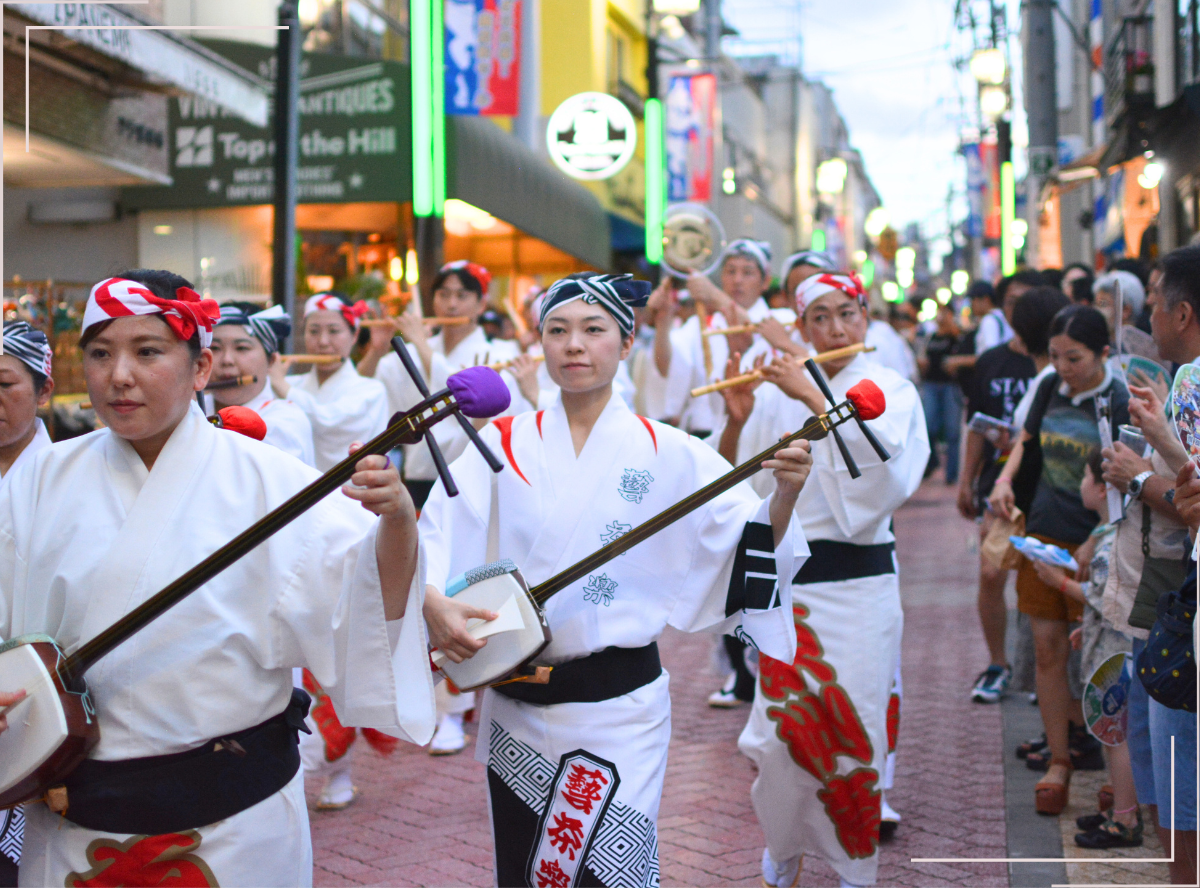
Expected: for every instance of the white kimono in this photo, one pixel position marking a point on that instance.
(402, 393)
(818, 729)
(41, 439)
(345, 409)
(554, 509)
(288, 427)
(703, 413)
(87, 533)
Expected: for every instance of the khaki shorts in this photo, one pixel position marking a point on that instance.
(1037, 599)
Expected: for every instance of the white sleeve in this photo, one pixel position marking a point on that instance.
(291, 432)
(857, 504)
(988, 334)
(401, 391)
(375, 671)
(358, 417)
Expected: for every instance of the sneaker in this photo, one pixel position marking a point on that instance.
(339, 791)
(991, 684)
(725, 698)
(449, 737)
(785, 876)
(889, 819)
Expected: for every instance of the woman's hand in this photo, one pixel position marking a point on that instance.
(739, 399)
(1001, 499)
(381, 336)
(790, 466)
(525, 370)
(777, 335)
(277, 371)
(966, 500)
(411, 327)
(1159, 386)
(789, 374)
(447, 619)
(8, 700)
(376, 484)
(1076, 638)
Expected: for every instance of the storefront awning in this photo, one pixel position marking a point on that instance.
(490, 169)
(158, 54)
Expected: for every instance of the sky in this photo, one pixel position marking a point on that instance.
(890, 64)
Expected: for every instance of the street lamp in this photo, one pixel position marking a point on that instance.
(676, 7)
(876, 221)
(993, 101)
(988, 66)
(831, 176)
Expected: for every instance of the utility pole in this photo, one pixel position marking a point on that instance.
(287, 148)
(1041, 108)
(712, 30)
(528, 124)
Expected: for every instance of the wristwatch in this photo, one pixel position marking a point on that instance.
(1135, 486)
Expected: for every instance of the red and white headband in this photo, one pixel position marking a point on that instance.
(813, 288)
(330, 302)
(186, 314)
(475, 270)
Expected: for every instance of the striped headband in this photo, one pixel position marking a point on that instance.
(813, 288)
(27, 345)
(331, 302)
(481, 274)
(759, 251)
(187, 314)
(816, 258)
(618, 294)
(270, 327)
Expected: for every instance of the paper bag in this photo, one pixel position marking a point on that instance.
(996, 546)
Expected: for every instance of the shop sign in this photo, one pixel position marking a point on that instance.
(691, 113)
(483, 56)
(354, 139)
(153, 52)
(591, 136)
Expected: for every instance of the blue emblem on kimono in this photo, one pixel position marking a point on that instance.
(634, 485)
(614, 532)
(599, 589)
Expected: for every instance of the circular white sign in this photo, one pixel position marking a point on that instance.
(591, 136)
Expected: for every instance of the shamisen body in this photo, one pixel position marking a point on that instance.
(576, 785)
(93, 526)
(821, 725)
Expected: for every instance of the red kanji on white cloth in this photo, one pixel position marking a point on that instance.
(579, 797)
(186, 314)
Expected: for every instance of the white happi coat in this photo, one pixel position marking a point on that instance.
(835, 696)
(345, 409)
(403, 394)
(87, 533)
(288, 427)
(554, 509)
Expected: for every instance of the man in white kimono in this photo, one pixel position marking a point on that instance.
(25, 385)
(575, 767)
(246, 345)
(94, 526)
(818, 729)
(342, 406)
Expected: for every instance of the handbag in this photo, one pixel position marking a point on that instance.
(1167, 664)
(1158, 576)
(997, 548)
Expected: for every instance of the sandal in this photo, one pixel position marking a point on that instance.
(1112, 834)
(1036, 744)
(1087, 753)
(1089, 822)
(1051, 798)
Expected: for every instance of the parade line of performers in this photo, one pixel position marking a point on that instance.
(795, 570)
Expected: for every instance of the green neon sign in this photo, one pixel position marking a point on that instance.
(1008, 212)
(656, 192)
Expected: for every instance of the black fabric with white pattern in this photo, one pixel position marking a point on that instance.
(618, 294)
(27, 345)
(270, 327)
(754, 583)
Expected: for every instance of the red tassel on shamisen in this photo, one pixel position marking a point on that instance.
(867, 399)
(242, 420)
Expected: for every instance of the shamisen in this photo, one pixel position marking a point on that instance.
(197, 718)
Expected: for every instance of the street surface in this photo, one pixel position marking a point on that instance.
(422, 820)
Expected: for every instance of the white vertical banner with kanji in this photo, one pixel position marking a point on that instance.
(579, 796)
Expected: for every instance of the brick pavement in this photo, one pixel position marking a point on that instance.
(423, 820)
